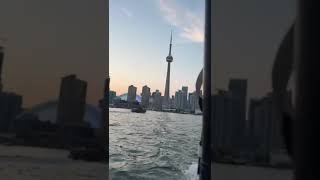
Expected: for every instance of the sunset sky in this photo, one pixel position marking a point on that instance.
(50, 39)
(139, 43)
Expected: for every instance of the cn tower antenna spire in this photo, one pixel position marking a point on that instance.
(170, 44)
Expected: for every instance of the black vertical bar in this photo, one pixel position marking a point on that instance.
(307, 123)
(105, 122)
(1, 64)
(107, 92)
(205, 166)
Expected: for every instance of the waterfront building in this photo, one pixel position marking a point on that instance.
(72, 101)
(132, 94)
(145, 96)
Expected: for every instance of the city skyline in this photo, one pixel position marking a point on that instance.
(145, 40)
(138, 93)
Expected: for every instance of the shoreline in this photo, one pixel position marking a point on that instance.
(196, 114)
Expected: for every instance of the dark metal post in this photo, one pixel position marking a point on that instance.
(1, 63)
(307, 122)
(106, 112)
(104, 129)
(205, 164)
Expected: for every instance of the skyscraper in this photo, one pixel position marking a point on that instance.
(253, 103)
(179, 100)
(10, 107)
(238, 89)
(112, 95)
(193, 101)
(222, 131)
(261, 124)
(132, 94)
(172, 100)
(145, 96)
(72, 101)
(167, 88)
(10, 103)
(184, 97)
(157, 100)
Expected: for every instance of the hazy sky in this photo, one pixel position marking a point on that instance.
(48, 39)
(139, 43)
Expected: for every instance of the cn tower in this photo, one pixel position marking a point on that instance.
(167, 88)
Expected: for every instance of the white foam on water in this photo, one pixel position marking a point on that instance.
(191, 173)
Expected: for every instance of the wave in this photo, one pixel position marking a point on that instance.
(114, 124)
(191, 173)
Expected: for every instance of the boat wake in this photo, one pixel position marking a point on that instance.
(191, 173)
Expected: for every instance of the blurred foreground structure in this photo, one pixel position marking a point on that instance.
(254, 138)
(65, 127)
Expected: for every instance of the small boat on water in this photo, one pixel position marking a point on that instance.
(139, 110)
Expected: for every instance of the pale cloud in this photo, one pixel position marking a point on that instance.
(189, 23)
(126, 12)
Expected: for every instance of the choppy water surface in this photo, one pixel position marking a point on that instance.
(154, 145)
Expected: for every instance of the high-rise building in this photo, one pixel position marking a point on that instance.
(157, 100)
(261, 124)
(265, 128)
(132, 94)
(254, 102)
(184, 97)
(10, 103)
(72, 101)
(169, 59)
(222, 131)
(10, 107)
(189, 101)
(145, 96)
(176, 97)
(172, 102)
(238, 89)
(193, 102)
(179, 100)
(112, 95)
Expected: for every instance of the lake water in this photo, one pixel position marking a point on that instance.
(154, 145)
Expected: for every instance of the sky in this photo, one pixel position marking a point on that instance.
(139, 43)
(47, 40)
(246, 36)
(50, 39)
